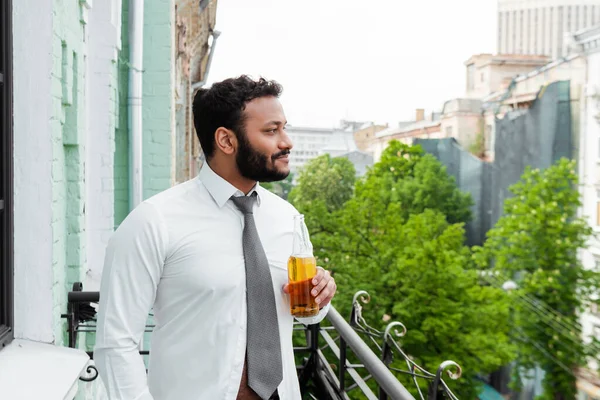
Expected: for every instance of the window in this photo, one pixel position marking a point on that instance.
(543, 31)
(6, 231)
(513, 28)
(470, 77)
(500, 44)
(521, 32)
(535, 32)
(448, 131)
(559, 45)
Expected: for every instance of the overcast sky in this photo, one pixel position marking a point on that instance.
(369, 60)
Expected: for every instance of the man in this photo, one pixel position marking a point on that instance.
(209, 256)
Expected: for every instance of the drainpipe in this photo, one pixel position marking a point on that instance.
(136, 52)
(198, 85)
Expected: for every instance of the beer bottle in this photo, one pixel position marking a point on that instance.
(302, 268)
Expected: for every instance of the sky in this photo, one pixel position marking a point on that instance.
(369, 60)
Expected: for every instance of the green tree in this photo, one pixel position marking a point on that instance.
(325, 184)
(326, 179)
(536, 244)
(417, 181)
(401, 238)
(280, 188)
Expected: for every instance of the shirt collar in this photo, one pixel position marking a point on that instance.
(220, 189)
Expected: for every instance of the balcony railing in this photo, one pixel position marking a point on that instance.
(325, 371)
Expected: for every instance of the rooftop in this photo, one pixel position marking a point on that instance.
(406, 128)
(510, 59)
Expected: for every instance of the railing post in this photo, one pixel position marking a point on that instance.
(72, 317)
(386, 357)
(342, 367)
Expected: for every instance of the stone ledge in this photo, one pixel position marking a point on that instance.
(34, 370)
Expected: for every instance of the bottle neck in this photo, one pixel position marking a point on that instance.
(302, 246)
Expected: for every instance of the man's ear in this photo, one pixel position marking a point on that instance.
(226, 140)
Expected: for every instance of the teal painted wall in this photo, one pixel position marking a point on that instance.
(68, 148)
(158, 96)
(121, 159)
(157, 106)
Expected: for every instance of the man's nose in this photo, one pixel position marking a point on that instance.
(286, 141)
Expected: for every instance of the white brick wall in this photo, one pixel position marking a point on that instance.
(32, 22)
(103, 42)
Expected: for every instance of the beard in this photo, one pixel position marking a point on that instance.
(255, 165)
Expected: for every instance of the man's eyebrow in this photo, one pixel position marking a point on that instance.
(278, 123)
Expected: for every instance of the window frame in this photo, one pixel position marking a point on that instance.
(6, 178)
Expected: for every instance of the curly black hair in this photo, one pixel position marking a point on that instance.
(223, 104)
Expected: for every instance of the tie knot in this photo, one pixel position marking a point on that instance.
(244, 203)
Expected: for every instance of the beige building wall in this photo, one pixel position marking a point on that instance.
(487, 73)
(463, 127)
(365, 137)
(194, 32)
(422, 129)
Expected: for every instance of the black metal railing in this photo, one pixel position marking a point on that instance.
(325, 371)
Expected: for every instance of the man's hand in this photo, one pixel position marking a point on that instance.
(324, 287)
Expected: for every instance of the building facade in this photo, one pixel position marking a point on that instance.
(487, 73)
(406, 133)
(196, 40)
(526, 88)
(363, 137)
(310, 143)
(589, 172)
(68, 185)
(538, 27)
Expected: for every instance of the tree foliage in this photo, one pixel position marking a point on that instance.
(401, 238)
(324, 179)
(280, 188)
(536, 243)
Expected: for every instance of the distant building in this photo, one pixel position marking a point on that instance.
(340, 142)
(310, 143)
(364, 136)
(539, 26)
(406, 132)
(487, 73)
(526, 88)
(462, 119)
(361, 161)
(589, 179)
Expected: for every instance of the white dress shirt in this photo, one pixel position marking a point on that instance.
(180, 253)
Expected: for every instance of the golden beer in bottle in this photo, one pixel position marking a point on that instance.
(302, 268)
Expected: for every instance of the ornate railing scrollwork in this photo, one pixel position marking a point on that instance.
(91, 374)
(386, 343)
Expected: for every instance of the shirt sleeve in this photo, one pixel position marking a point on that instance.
(132, 269)
(317, 318)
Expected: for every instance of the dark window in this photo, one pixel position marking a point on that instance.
(6, 176)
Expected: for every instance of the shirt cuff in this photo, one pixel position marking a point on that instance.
(317, 318)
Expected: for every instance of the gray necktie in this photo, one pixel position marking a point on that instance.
(263, 351)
